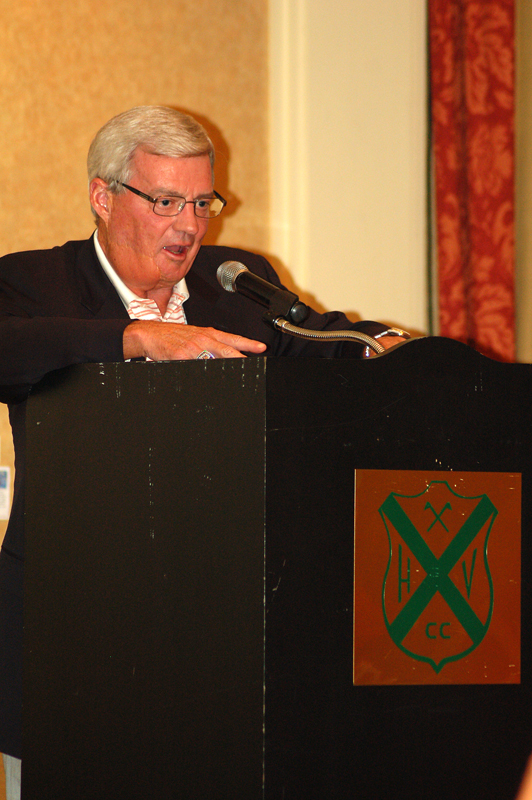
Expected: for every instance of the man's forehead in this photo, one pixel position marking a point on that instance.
(164, 172)
(144, 159)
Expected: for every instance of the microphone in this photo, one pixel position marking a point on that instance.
(235, 277)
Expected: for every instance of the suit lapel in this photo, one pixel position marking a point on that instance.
(200, 307)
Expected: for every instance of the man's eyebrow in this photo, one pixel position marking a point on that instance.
(162, 192)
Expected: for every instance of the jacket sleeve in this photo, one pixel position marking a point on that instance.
(32, 347)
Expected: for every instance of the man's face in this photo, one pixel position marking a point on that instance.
(149, 251)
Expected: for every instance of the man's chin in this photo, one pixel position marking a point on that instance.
(170, 275)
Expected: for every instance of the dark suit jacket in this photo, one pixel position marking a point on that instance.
(58, 308)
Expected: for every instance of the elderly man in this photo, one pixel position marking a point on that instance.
(141, 287)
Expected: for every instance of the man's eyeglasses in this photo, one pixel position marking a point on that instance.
(206, 207)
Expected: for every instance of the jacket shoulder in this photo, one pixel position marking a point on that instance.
(53, 278)
(64, 252)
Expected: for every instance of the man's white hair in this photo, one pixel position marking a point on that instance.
(159, 130)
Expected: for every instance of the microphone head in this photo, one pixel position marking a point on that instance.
(228, 272)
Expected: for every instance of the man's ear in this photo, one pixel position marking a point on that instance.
(100, 198)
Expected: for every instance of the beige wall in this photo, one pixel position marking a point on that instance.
(67, 67)
(348, 144)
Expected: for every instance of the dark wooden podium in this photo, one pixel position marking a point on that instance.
(190, 581)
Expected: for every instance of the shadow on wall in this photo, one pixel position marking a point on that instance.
(223, 155)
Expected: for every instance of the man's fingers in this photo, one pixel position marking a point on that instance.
(235, 344)
(220, 344)
(167, 341)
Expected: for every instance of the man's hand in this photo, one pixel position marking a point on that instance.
(391, 341)
(171, 341)
(388, 339)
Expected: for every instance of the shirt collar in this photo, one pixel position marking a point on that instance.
(124, 292)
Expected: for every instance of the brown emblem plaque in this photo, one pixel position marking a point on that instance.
(437, 585)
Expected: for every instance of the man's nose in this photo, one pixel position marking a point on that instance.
(187, 219)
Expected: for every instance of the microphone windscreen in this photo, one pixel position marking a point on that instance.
(227, 274)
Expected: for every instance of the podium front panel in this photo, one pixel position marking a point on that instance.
(144, 580)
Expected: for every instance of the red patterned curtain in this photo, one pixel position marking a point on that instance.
(472, 111)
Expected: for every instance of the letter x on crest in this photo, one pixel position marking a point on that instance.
(437, 569)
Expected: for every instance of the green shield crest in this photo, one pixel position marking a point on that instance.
(437, 594)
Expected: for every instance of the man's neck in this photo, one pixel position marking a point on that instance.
(161, 297)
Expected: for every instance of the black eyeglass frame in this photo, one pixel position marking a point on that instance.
(175, 197)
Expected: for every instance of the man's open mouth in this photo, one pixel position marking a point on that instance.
(177, 250)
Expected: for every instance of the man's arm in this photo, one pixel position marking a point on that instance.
(33, 347)
(47, 321)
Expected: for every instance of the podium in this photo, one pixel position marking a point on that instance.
(211, 605)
